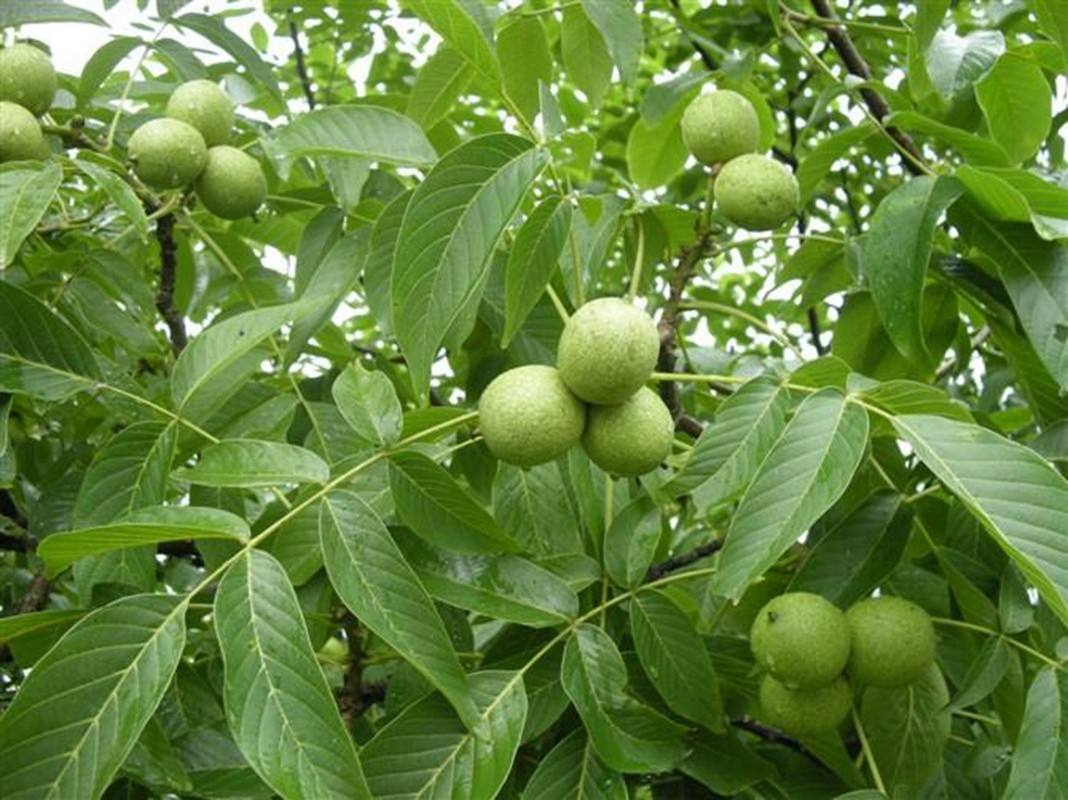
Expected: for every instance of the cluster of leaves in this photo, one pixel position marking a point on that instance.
(278, 560)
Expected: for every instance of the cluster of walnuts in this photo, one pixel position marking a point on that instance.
(596, 395)
(190, 144)
(27, 87)
(755, 192)
(808, 647)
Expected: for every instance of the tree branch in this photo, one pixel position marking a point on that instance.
(855, 63)
(302, 69)
(675, 563)
(165, 297)
(773, 735)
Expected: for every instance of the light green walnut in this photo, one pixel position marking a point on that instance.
(801, 639)
(167, 153)
(528, 416)
(756, 192)
(805, 712)
(232, 184)
(893, 641)
(206, 107)
(630, 438)
(607, 351)
(719, 126)
(27, 77)
(20, 134)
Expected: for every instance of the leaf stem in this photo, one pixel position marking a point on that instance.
(956, 623)
(707, 305)
(868, 757)
(639, 257)
(561, 309)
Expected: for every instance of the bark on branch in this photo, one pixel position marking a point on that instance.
(168, 255)
(302, 68)
(675, 563)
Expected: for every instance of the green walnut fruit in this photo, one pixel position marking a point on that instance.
(20, 134)
(206, 107)
(528, 416)
(805, 712)
(719, 126)
(27, 77)
(801, 639)
(893, 641)
(632, 437)
(232, 184)
(167, 153)
(607, 351)
(756, 192)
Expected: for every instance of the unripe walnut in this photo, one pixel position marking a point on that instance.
(206, 107)
(892, 641)
(27, 77)
(528, 416)
(719, 126)
(756, 192)
(232, 184)
(801, 639)
(608, 350)
(805, 712)
(167, 153)
(20, 134)
(632, 437)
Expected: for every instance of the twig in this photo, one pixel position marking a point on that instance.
(855, 63)
(674, 563)
(302, 70)
(706, 57)
(36, 595)
(165, 296)
(773, 735)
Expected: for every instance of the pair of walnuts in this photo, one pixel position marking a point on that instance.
(596, 394)
(808, 646)
(190, 144)
(27, 87)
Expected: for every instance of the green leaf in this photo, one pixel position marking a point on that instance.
(526, 62)
(215, 31)
(372, 578)
(910, 397)
(451, 228)
(367, 131)
(101, 64)
(129, 472)
(586, 56)
(984, 675)
(815, 166)
(808, 469)
(631, 542)
(40, 353)
(278, 705)
(1019, 497)
(40, 11)
(894, 253)
(121, 194)
(437, 508)
(502, 587)
(627, 735)
(79, 713)
(25, 195)
(907, 728)
(427, 752)
(621, 29)
(573, 771)
(1034, 272)
(656, 152)
(1053, 20)
(532, 261)
(378, 268)
(459, 30)
(955, 62)
(438, 84)
(212, 356)
(1040, 756)
(729, 451)
(369, 403)
(675, 659)
(723, 764)
(143, 527)
(532, 506)
(1016, 102)
(854, 556)
(974, 148)
(255, 463)
(16, 625)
